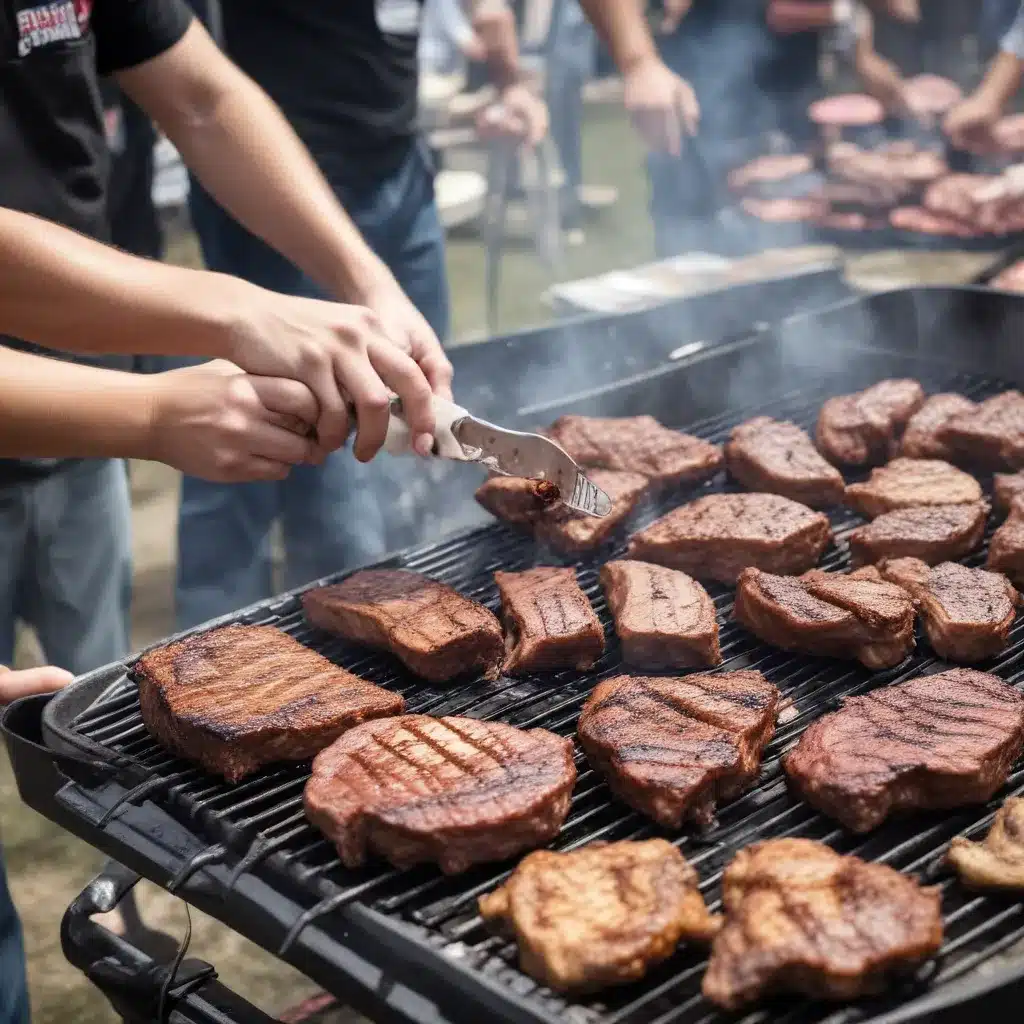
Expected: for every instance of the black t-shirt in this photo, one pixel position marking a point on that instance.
(343, 71)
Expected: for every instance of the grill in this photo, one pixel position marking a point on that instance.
(408, 945)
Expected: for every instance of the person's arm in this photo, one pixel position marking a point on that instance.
(880, 77)
(30, 682)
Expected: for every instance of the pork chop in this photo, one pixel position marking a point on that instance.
(602, 915)
(923, 437)
(997, 862)
(451, 791)
(1006, 487)
(933, 533)
(993, 434)
(1006, 549)
(860, 429)
(906, 483)
(931, 743)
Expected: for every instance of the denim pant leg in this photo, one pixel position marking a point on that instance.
(14, 535)
(13, 986)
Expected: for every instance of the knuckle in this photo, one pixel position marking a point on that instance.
(376, 402)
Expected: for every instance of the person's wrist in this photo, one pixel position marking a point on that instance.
(639, 63)
(141, 413)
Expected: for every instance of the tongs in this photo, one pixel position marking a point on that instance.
(462, 437)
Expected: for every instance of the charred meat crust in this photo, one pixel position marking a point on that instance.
(923, 437)
(992, 434)
(861, 429)
(933, 533)
(906, 483)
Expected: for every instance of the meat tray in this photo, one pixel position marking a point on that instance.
(409, 946)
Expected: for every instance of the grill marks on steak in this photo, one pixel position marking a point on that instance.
(435, 631)
(967, 613)
(455, 791)
(664, 618)
(549, 621)
(802, 918)
(238, 698)
(860, 429)
(933, 533)
(778, 457)
(832, 615)
(923, 438)
(1006, 549)
(933, 742)
(719, 535)
(602, 915)
(905, 483)
(998, 861)
(993, 434)
(672, 747)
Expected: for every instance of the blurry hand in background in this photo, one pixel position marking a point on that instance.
(519, 115)
(908, 11)
(662, 105)
(673, 13)
(31, 681)
(970, 123)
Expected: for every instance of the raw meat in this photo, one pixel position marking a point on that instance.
(906, 483)
(1006, 549)
(922, 438)
(859, 429)
(850, 110)
(1006, 487)
(770, 168)
(998, 861)
(933, 533)
(992, 435)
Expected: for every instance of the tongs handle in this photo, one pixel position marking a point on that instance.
(446, 414)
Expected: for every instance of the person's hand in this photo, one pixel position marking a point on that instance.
(882, 80)
(788, 17)
(472, 48)
(518, 115)
(31, 681)
(907, 11)
(661, 104)
(969, 124)
(673, 12)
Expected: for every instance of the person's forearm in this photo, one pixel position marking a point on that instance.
(622, 25)
(1003, 79)
(495, 25)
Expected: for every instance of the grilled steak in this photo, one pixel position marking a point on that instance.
(933, 742)
(517, 501)
(601, 915)
(859, 429)
(923, 437)
(548, 621)
(768, 455)
(998, 861)
(451, 791)
(933, 533)
(238, 698)
(718, 536)
(802, 918)
(967, 613)
(1006, 549)
(435, 631)
(664, 618)
(1006, 487)
(672, 747)
(905, 483)
(833, 615)
(637, 444)
(993, 434)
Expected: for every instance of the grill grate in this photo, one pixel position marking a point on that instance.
(262, 818)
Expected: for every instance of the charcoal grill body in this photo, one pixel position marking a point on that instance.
(406, 946)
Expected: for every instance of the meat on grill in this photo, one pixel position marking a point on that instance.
(923, 437)
(931, 743)
(931, 94)
(993, 434)
(785, 211)
(832, 615)
(967, 613)
(771, 168)
(849, 110)
(673, 747)
(526, 503)
(241, 697)
(664, 618)
(717, 536)
(800, 917)
(435, 631)
(549, 622)
(778, 457)
(1006, 487)
(1006, 549)
(901, 165)
(927, 222)
(637, 444)
(602, 915)
(997, 862)
(933, 533)
(451, 791)
(859, 429)
(905, 483)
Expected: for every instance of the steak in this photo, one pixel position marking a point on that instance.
(993, 434)
(601, 915)
(672, 747)
(518, 500)
(241, 697)
(850, 110)
(934, 743)
(451, 791)
(1006, 487)
(718, 536)
(832, 615)
(432, 629)
(923, 437)
(802, 918)
(906, 483)
(998, 861)
(1006, 549)
(778, 457)
(637, 444)
(967, 613)
(548, 621)
(664, 618)
(933, 533)
(860, 429)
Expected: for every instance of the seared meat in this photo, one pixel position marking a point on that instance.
(933, 533)
(905, 483)
(771, 168)
(859, 429)
(238, 698)
(933, 742)
(802, 918)
(435, 631)
(637, 444)
(833, 615)
(601, 915)
(664, 618)
(998, 861)
(451, 791)
(671, 748)
(993, 434)
(923, 437)
(548, 620)
(967, 613)
(719, 535)
(768, 455)
(518, 500)
(1006, 549)
(1006, 487)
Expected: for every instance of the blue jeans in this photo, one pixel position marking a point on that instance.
(13, 987)
(341, 513)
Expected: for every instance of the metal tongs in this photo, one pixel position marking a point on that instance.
(463, 438)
